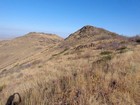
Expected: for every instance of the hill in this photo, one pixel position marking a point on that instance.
(88, 34)
(23, 47)
(92, 66)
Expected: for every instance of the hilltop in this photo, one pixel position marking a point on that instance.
(89, 34)
(92, 66)
(25, 46)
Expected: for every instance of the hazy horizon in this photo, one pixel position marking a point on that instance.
(64, 17)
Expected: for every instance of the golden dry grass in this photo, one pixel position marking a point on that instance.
(23, 47)
(101, 70)
(83, 81)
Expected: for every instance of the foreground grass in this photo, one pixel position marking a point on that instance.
(114, 81)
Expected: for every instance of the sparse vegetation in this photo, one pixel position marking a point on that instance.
(107, 57)
(86, 69)
(135, 39)
(2, 87)
(122, 48)
(106, 53)
(96, 86)
(138, 40)
(60, 52)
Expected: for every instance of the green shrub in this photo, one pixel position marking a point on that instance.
(2, 87)
(122, 48)
(105, 53)
(60, 52)
(138, 40)
(107, 57)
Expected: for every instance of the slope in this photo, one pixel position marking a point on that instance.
(25, 46)
(91, 66)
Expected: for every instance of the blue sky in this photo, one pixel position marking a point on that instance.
(18, 17)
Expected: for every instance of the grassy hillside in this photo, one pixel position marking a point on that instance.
(23, 47)
(106, 81)
(91, 67)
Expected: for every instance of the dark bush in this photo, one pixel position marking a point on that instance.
(105, 53)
